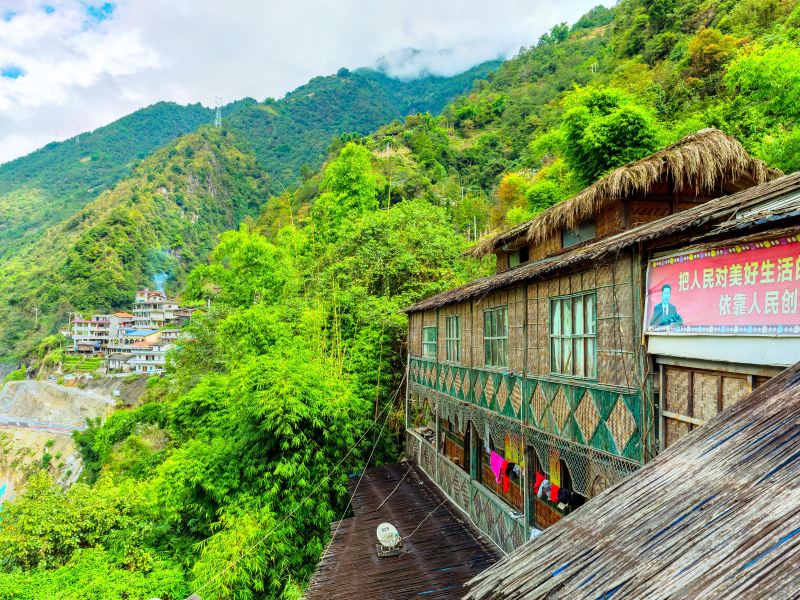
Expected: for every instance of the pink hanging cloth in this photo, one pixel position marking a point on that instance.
(496, 464)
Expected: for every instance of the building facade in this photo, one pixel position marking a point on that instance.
(553, 364)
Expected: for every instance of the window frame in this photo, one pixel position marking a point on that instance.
(427, 343)
(452, 343)
(495, 345)
(582, 345)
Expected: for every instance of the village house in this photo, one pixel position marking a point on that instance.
(149, 357)
(593, 347)
(153, 309)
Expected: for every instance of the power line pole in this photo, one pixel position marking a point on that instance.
(36, 317)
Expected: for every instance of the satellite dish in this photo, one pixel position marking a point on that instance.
(388, 536)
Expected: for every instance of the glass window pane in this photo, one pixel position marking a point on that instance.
(578, 313)
(579, 358)
(566, 321)
(590, 314)
(555, 360)
(568, 358)
(555, 321)
(591, 370)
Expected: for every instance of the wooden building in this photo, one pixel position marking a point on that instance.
(717, 515)
(546, 362)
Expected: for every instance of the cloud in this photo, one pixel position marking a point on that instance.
(84, 63)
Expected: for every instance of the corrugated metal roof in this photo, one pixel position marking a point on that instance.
(445, 551)
(716, 515)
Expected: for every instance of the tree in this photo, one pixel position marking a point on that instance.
(605, 129)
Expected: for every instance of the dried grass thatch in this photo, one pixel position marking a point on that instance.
(703, 161)
(714, 215)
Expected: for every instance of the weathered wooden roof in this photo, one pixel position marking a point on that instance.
(714, 215)
(717, 515)
(702, 161)
(441, 555)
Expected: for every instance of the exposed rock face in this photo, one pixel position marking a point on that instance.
(37, 419)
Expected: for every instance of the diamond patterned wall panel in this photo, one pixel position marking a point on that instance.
(560, 408)
(621, 424)
(587, 417)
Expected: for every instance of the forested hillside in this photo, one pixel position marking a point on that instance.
(225, 480)
(47, 195)
(290, 137)
(163, 218)
(49, 185)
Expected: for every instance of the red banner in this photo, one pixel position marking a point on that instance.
(746, 289)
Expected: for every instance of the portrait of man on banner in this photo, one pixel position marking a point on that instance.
(665, 313)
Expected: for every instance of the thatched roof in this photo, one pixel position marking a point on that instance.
(713, 216)
(703, 161)
(716, 515)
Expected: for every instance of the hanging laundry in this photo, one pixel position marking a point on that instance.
(538, 481)
(518, 471)
(498, 464)
(544, 489)
(577, 500)
(486, 441)
(564, 496)
(554, 492)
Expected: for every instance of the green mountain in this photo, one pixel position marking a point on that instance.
(49, 185)
(291, 136)
(163, 218)
(44, 188)
(57, 204)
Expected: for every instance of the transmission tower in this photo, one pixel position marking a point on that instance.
(218, 114)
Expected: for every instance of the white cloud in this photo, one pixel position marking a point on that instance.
(81, 71)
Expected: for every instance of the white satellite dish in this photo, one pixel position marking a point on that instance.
(388, 536)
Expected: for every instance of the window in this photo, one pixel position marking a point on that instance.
(429, 342)
(581, 233)
(495, 336)
(452, 338)
(518, 257)
(572, 336)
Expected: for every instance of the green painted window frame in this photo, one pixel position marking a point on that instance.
(452, 338)
(429, 342)
(495, 337)
(573, 335)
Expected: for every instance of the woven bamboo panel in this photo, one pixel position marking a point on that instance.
(733, 390)
(674, 430)
(589, 279)
(605, 303)
(415, 334)
(502, 261)
(575, 283)
(514, 495)
(544, 515)
(705, 390)
(610, 220)
(677, 397)
(454, 452)
(604, 276)
(643, 211)
(623, 299)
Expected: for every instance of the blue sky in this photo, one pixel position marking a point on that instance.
(68, 66)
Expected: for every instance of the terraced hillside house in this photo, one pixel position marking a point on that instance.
(531, 390)
(152, 308)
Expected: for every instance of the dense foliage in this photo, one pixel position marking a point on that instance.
(274, 393)
(279, 392)
(51, 196)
